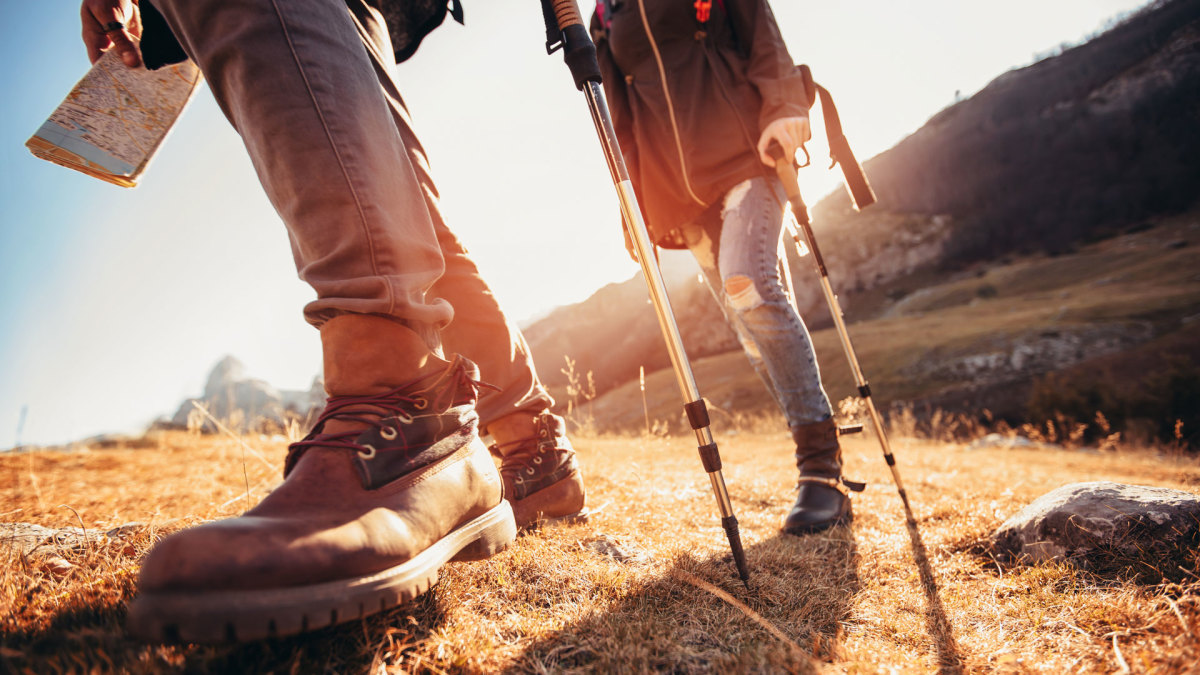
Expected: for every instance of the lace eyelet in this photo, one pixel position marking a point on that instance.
(368, 452)
(537, 460)
(420, 403)
(519, 480)
(404, 418)
(529, 470)
(388, 433)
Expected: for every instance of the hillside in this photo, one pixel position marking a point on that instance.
(1042, 163)
(1073, 147)
(1113, 327)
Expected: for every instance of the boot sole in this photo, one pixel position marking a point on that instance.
(247, 615)
(800, 530)
(811, 529)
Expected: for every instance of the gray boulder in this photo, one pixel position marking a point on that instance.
(1104, 526)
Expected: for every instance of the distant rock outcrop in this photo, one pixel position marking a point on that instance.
(1105, 526)
(246, 403)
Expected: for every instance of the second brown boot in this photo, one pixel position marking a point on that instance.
(541, 477)
(822, 498)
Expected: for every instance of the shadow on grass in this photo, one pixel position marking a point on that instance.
(949, 659)
(803, 586)
(92, 638)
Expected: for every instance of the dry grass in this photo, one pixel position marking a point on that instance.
(625, 593)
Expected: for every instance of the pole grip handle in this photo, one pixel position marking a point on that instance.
(571, 35)
(566, 12)
(785, 169)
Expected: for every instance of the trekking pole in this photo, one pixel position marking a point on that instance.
(787, 175)
(565, 30)
(785, 272)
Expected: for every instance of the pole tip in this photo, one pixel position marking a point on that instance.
(742, 568)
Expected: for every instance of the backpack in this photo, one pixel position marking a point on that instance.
(409, 21)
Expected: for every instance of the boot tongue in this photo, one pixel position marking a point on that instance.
(367, 355)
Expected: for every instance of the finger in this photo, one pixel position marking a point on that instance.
(795, 131)
(94, 38)
(133, 23)
(797, 136)
(783, 138)
(805, 131)
(123, 43)
(104, 28)
(763, 143)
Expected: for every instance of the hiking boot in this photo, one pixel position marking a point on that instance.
(541, 477)
(823, 499)
(392, 482)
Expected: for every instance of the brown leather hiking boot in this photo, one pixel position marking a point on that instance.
(541, 477)
(392, 483)
(822, 499)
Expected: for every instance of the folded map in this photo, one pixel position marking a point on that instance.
(114, 120)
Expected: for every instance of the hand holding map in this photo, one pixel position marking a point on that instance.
(115, 118)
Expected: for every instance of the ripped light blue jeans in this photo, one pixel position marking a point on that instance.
(737, 247)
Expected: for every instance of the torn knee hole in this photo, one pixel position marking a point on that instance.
(740, 291)
(737, 284)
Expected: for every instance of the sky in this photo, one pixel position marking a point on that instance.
(118, 302)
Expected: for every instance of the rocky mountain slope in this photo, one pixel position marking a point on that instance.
(1074, 146)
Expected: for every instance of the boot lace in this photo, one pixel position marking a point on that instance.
(371, 410)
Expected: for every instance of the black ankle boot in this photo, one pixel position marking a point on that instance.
(823, 500)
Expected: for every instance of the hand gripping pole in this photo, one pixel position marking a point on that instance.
(568, 32)
(787, 175)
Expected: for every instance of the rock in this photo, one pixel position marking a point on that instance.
(246, 403)
(34, 540)
(228, 372)
(46, 546)
(1010, 442)
(55, 565)
(1104, 526)
(610, 547)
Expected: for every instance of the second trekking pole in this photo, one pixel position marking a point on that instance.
(565, 30)
(787, 175)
